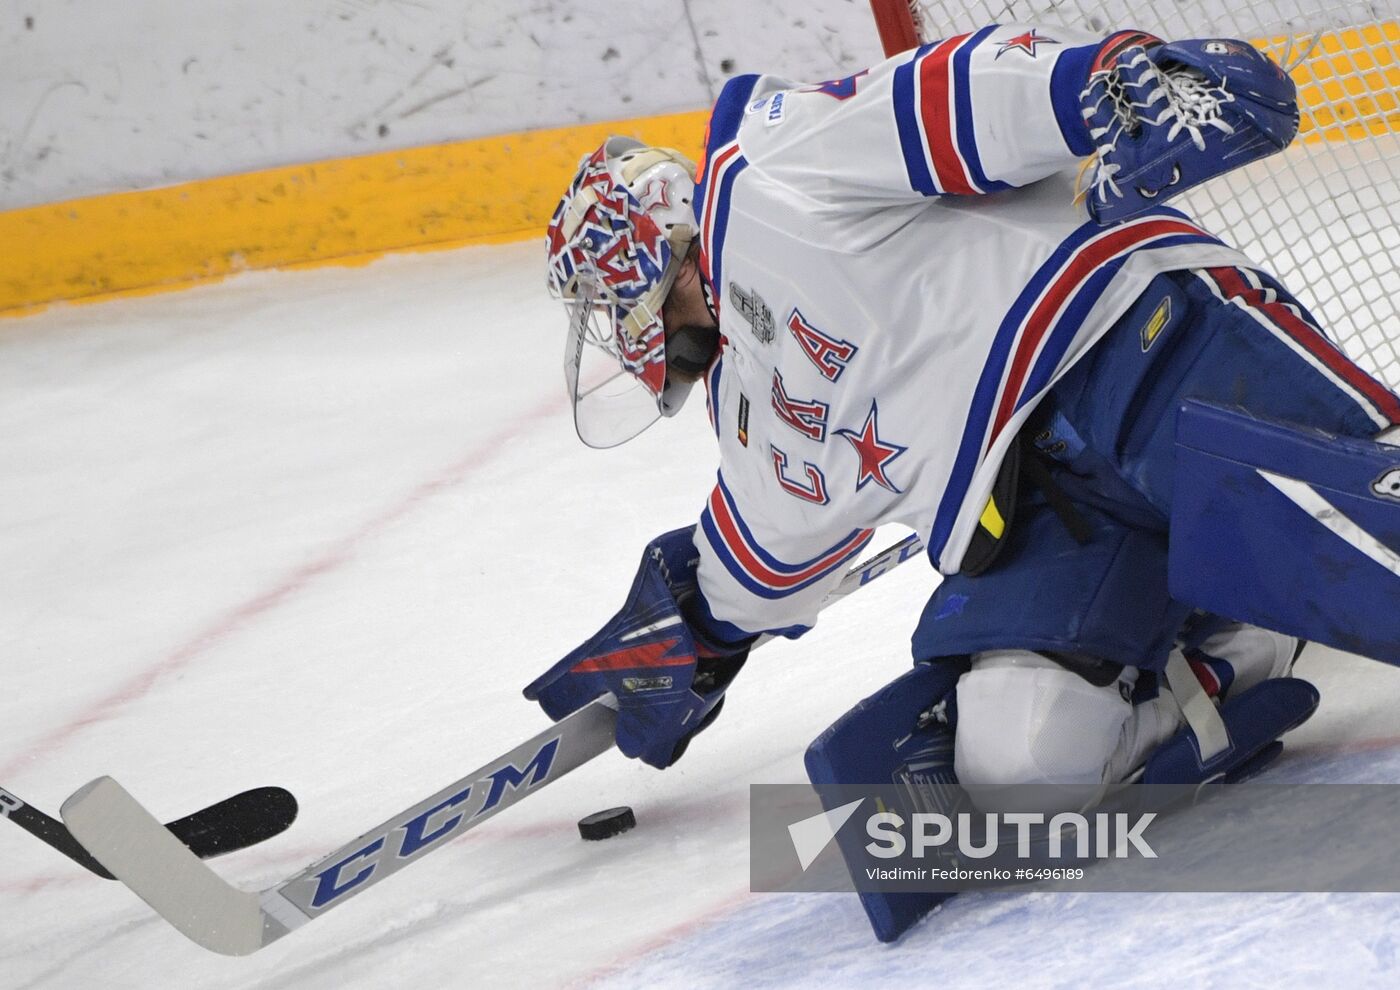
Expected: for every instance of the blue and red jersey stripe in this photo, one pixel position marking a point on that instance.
(712, 205)
(753, 567)
(933, 115)
(722, 164)
(1036, 333)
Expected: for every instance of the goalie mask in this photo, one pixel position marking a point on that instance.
(615, 243)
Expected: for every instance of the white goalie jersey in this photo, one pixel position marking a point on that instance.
(900, 273)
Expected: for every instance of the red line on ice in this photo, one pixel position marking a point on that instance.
(664, 938)
(261, 604)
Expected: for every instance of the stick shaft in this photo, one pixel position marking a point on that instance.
(114, 827)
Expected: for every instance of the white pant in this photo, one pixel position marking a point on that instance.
(1024, 719)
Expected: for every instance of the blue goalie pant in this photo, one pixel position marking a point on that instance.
(1105, 437)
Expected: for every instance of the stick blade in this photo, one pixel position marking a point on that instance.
(157, 866)
(237, 822)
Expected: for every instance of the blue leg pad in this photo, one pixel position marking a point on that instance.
(1256, 764)
(1254, 719)
(1287, 528)
(860, 749)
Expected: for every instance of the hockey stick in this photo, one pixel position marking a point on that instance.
(233, 823)
(194, 899)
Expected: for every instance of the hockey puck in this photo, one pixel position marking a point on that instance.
(606, 824)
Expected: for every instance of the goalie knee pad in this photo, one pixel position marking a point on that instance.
(1025, 720)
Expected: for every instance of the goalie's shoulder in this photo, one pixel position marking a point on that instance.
(742, 98)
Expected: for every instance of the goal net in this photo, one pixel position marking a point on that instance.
(1324, 216)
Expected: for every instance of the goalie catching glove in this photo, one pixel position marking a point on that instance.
(656, 657)
(1166, 117)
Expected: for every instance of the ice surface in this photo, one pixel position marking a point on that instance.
(317, 529)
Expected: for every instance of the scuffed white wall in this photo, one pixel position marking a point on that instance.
(104, 95)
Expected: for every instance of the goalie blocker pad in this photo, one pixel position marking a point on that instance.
(1288, 528)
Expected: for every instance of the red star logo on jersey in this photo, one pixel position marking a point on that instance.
(1026, 43)
(875, 454)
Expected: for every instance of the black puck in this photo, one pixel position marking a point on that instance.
(606, 824)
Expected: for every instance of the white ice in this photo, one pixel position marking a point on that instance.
(318, 529)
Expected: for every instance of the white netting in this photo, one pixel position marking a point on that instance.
(1324, 215)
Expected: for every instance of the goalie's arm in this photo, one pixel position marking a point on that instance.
(972, 114)
(125, 838)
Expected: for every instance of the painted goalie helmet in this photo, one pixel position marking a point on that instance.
(615, 243)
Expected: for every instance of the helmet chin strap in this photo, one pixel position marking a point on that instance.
(690, 349)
